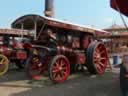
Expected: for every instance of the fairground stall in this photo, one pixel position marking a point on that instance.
(12, 48)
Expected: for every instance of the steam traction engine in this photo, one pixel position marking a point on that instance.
(58, 46)
(12, 48)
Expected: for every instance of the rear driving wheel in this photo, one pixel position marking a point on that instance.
(34, 66)
(4, 64)
(59, 69)
(96, 58)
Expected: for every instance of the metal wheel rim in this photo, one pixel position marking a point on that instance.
(60, 70)
(100, 58)
(4, 64)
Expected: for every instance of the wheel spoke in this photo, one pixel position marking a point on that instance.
(58, 76)
(100, 47)
(102, 52)
(99, 68)
(55, 70)
(99, 60)
(61, 74)
(62, 63)
(64, 73)
(60, 69)
(54, 75)
(95, 53)
(64, 68)
(101, 64)
(103, 58)
(3, 61)
(57, 63)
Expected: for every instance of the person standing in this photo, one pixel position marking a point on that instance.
(124, 76)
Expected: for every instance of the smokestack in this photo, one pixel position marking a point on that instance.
(49, 8)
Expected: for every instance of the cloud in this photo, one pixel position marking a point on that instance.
(108, 20)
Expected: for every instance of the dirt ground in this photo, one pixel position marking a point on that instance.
(15, 83)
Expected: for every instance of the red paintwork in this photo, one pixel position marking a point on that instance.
(60, 70)
(121, 4)
(81, 58)
(14, 50)
(17, 45)
(100, 58)
(21, 55)
(63, 49)
(27, 46)
(73, 47)
(4, 50)
(14, 32)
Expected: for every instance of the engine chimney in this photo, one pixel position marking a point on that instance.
(49, 8)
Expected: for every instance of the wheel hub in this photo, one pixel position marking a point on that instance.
(60, 68)
(98, 58)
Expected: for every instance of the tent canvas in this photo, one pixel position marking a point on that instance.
(120, 5)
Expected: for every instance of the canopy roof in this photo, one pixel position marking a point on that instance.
(15, 32)
(120, 5)
(29, 20)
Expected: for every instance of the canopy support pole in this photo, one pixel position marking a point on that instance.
(35, 29)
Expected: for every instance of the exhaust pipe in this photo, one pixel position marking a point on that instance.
(49, 8)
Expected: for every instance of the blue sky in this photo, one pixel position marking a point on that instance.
(88, 12)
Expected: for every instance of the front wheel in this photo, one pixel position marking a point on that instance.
(4, 64)
(96, 58)
(59, 69)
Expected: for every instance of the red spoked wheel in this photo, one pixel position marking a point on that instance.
(34, 67)
(59, 69)
(97, 58)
